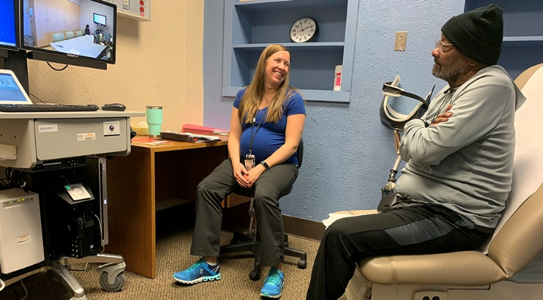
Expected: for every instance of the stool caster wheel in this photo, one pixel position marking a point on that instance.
(112, 278)
(115, 286)
(302, 264)
(254, 275)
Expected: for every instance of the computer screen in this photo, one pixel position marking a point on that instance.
(99, 19)
(69, 29)
(8, 24)
(11, 90)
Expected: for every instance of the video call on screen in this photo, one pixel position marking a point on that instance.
(68, 32)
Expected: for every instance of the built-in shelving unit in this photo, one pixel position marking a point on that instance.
(250, 26)
(523, 32)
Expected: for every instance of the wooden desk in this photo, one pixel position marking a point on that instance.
(153, 177)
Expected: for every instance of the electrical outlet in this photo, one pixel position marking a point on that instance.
(401, 41)
(430, 295)
(126, 4)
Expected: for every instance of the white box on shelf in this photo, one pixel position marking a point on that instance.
(337, 78)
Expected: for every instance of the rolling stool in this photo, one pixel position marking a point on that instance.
(251, 241)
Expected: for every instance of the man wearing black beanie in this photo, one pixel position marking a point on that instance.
(459, 157)
(475, 38)
(478, 33)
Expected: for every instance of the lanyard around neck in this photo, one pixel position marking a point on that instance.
(253, 136)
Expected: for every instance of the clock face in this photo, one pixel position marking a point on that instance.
(303, 30)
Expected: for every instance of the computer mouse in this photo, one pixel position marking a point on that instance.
(114, 106)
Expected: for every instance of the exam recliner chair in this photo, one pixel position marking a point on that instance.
(513, 267)
(464, 275)
(250, 242)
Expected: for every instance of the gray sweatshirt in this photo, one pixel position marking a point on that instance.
(466, 163)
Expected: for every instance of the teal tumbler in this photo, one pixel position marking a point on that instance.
(153, 115)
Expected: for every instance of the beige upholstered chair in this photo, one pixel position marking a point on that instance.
(511, 270)
(70, 34)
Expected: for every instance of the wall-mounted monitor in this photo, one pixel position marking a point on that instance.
(11, 57)
(99, 19)
(70, 34)
(8, 24)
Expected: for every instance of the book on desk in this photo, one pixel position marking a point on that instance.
(149, 141)
(188, 137)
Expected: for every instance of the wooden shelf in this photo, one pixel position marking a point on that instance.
(315, 45)
(314, 95)
(263, 5)
(523, 39)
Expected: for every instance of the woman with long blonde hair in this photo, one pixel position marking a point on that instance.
(266, 127)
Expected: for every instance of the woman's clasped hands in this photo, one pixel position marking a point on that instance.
(245, 178)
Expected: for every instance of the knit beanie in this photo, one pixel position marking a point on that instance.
(478, 34)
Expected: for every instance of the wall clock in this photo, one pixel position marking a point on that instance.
(304, 30)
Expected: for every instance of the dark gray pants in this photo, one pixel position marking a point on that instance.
(269, 187)
(407, 230)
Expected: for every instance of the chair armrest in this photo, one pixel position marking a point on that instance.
(466, 268)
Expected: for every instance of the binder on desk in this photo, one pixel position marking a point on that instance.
(188, 137)
(203, 129)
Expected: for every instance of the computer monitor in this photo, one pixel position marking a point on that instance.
(9, 24)
(11, 57)
(70, 34)
(99, 19)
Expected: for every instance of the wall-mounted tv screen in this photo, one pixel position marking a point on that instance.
(68, 29)
(99, 19)
(8, 24)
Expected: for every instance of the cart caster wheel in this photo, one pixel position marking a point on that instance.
(254, 275)
(120, 280)
(302, 264)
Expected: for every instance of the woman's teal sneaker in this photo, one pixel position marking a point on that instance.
(273, 285)
(198, 272)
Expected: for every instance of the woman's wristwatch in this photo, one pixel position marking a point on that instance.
(265, 164)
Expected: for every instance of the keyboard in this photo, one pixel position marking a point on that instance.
(46, 107)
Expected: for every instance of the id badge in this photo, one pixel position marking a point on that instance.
(249, 162)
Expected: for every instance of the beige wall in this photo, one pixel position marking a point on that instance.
(158, 63)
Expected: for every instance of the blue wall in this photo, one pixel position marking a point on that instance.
(348, 153)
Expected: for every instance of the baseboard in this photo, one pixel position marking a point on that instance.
(303, 227)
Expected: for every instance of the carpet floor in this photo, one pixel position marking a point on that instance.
(173, 244)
